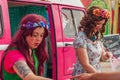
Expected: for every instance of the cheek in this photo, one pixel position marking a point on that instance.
(30, 41)
(98, 27)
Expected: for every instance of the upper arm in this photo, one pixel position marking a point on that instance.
(80, 45)
(82, 56)
(84, 60)
(22, 69)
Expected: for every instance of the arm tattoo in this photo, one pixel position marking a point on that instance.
(22, 68)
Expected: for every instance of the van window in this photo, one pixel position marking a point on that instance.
(1, 23)
(71, 21)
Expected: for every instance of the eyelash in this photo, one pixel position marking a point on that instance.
(35, 35)
(41, 35)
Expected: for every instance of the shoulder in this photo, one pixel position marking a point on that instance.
(81, 34)
(15, 52)
(80, 40)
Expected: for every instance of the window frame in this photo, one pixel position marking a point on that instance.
(75, 26)
(2, 25)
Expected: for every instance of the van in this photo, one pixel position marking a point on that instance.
(63, 18)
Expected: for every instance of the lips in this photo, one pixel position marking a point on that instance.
(36, 44)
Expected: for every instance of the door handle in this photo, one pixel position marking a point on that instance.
(68, 44)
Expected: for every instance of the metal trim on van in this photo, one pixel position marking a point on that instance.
(3, 47)
(64, 44)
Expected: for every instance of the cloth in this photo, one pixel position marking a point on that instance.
(94, 52)
(10, 58)
(35, 61)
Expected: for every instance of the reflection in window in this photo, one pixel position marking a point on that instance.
(77, 15)
(70, 21)
(1, 24)
(68, 25)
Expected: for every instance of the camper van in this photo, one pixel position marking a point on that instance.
(63, 18)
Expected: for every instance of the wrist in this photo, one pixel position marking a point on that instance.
(92, 76)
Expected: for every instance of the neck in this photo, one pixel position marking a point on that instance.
(30, 52)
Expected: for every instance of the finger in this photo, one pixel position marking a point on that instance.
(110, 54)
(73, 77)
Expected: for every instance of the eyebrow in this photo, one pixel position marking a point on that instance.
(38, 33)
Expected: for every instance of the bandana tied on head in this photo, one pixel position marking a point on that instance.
(30, 25)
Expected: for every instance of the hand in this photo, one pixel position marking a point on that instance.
(84, 76)
(43, 78)
(108, 55)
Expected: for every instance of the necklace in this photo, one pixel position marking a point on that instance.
(93, 38)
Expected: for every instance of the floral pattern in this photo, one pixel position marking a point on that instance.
(93, 50)
(30, 25)
(104, 13)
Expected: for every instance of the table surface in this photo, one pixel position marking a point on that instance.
(106, 67)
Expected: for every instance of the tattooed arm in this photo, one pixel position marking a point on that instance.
(25, 73)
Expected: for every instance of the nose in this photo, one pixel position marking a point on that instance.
(39, 38)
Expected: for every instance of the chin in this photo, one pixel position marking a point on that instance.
(35, 47)
(96, 31)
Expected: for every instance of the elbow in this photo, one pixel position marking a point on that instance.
(85, 66)
(30, 76)
(89, 68)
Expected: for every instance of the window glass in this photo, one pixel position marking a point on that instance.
(68, 25)
(71, 21)
(77, 15)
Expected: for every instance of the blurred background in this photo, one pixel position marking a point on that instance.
(113, 25)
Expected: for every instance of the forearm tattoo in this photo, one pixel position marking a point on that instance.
(22, 68)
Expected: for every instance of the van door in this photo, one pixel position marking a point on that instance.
(5, 36)
(70, 21)
(20, 8)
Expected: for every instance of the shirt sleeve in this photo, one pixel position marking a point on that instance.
(10, 58)
(80, 41)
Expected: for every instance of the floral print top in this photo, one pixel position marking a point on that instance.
(93, 50)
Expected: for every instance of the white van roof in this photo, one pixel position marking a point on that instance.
(68, 2)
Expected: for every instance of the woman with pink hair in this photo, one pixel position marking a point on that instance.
(25, 56)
